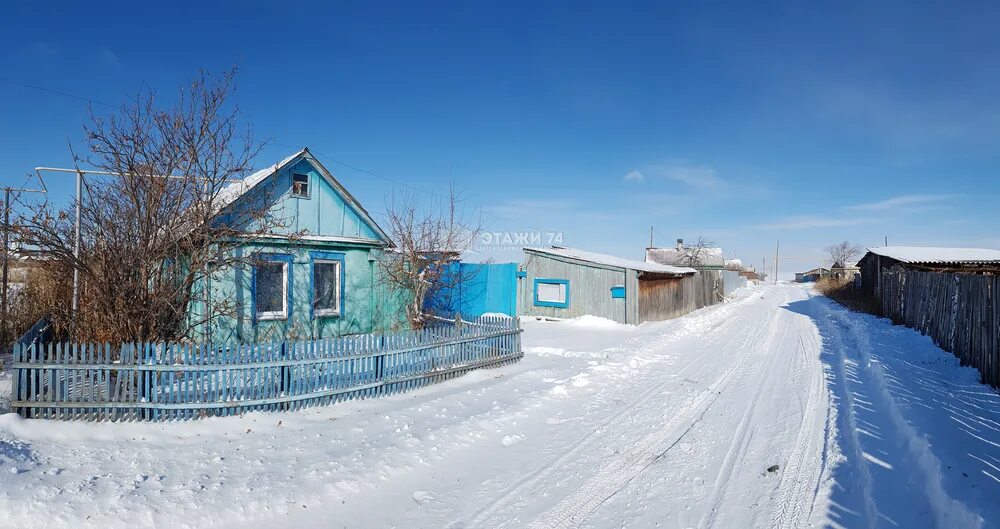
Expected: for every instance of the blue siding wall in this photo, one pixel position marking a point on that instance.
(484, 288)
(324, 212)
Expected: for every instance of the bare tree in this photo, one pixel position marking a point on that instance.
(428, 243)
(697, 254)
(161, 218)
(842, 253)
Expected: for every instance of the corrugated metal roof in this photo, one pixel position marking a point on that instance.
(937, 255)
(610, 260)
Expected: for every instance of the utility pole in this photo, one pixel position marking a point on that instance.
(76, 250)
(650, 236)
(776, 246)
(6, 259)
(4, 275)
(886, 240)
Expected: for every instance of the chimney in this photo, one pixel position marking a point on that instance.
(680, 245)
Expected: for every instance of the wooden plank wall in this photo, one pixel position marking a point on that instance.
(666, 298)
(960, 312)
(157, 381)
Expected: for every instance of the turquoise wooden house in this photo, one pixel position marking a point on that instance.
(313, 276)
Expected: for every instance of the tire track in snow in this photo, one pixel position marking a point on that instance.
(806, 463)
(848, 422)
(948, 512)
(621, 470)
(736, 453)
(571, 452)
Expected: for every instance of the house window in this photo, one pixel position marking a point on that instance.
(271, 290)
(300, 185)
(551, 293)
(326, 287)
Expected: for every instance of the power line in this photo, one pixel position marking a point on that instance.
(377, 175)
(272, 142)
(57, 92)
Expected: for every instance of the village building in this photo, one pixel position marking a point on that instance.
(314, 276)
(847, 271)
(562, 282)
(927, 259)
(811, 276)
(700, 258)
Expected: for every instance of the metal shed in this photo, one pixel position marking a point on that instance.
(562, 282)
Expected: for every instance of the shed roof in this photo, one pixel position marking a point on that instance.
(610, 260)
(937, 255)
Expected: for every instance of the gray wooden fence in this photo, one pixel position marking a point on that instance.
(960, 312)
(158, 381)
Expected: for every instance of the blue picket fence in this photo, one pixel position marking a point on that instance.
(159, 381)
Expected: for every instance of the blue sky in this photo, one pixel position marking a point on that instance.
(744, 123)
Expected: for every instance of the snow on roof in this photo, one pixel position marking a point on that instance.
(927, 254)
(675, 256)
(611, 260)
(235, 190)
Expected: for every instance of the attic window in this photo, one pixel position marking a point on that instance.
(300, 185)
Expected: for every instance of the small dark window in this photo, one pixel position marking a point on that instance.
(271, 290)
(300, 185)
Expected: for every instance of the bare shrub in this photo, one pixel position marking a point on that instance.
(843, 291)
(428, 241)
(157, 223)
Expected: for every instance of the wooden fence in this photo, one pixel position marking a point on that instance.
(960, 312)
(158, 381)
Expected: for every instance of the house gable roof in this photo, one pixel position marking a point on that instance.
(235, 191)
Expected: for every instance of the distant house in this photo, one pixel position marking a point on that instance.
(562, 282)
(733, 264)
(705, 258)
(315, 276)
(812, 275)
(934, 259)
(844, 270)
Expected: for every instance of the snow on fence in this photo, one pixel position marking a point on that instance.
(960, 312)
(158, 381)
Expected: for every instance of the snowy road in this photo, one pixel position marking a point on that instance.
(780, 409)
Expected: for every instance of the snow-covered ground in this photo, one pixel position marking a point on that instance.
(780, 409)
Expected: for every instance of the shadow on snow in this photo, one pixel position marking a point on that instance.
(918, 435)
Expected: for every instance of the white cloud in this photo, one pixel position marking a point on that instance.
(634, 176)
(109, 58)
(902, 203)
(804, 222)
(698, 176)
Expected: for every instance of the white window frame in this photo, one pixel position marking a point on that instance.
(308, 186)
(328, 311)
(275, 315)
(560, 291)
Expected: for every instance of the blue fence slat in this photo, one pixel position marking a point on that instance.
(164, 381)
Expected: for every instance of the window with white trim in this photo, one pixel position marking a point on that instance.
(326, 287)
(271, 290)
(300, 185)
(551, 292)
